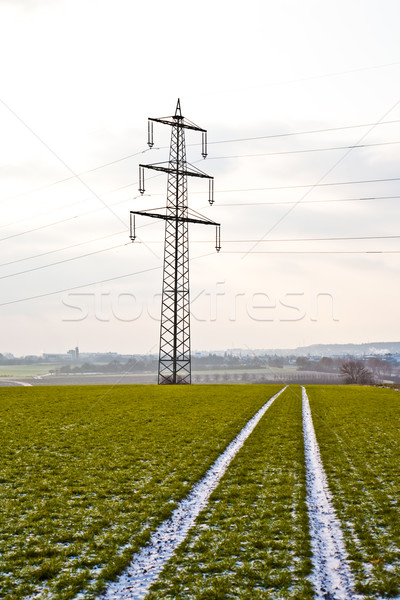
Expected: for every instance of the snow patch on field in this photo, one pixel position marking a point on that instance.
(147, 564)
(14, 383)
(332, 578)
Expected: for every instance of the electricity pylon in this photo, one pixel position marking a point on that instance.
(174, 365)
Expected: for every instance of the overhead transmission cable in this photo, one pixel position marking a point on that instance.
(304, 79)
(309, 185)
(12, 262)
(65, 260)
(238, 241)
(71, 204)
(304, 151)
(324, 239)
(39, 227)
(223, 191)
(326, 174)
(290, 240)
(313, 252)
(195, 258)
(58, 157)
(227, 241)
(71, 177)
(228, 141)
(271, 188)
(325, 201)
(77, 287)
(293, 133)
(219, 191)
(321, 239)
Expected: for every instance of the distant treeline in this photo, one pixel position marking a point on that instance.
(131, 366)
(214, 362)
(377, 366)
(19, 361)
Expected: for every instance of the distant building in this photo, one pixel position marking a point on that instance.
(74, 353)
(56, 357)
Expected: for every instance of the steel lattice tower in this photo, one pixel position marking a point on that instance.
(174, 356)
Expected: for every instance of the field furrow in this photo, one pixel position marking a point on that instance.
(358, 431)
(87, 473)
(252, 541)
(332, 577)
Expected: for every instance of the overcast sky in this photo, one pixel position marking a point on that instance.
(78, 81)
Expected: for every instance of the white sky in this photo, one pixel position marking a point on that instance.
(78, 81)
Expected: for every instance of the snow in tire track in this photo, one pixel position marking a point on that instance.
(147, 564)
(331, 577)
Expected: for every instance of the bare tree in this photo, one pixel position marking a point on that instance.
(379, 367)
(354, 371)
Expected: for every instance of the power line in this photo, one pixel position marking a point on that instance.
(313, 252)
(306, 151)
(303, 79)
(59, 158)
(336, 183)
(293, 133)
(71, 177)
(74, 204)
(77, 287)
(12, 262)
(310, 201)
(229, 141)
(321, 239)
(14, 235)
(328, 172)
(382, 237)
(88, 212)
(309, 185)
(222, 191)
(59, 262)
(47, 212)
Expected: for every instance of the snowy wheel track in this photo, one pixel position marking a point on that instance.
(332, 577)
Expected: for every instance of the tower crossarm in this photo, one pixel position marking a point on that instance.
(174, 218)
(193, 172)
(184, 123)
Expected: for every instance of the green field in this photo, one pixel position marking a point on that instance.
(15, 371)
(358, 431)
(88, 472)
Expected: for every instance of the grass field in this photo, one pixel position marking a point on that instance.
(88, 472)
(14, 371)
